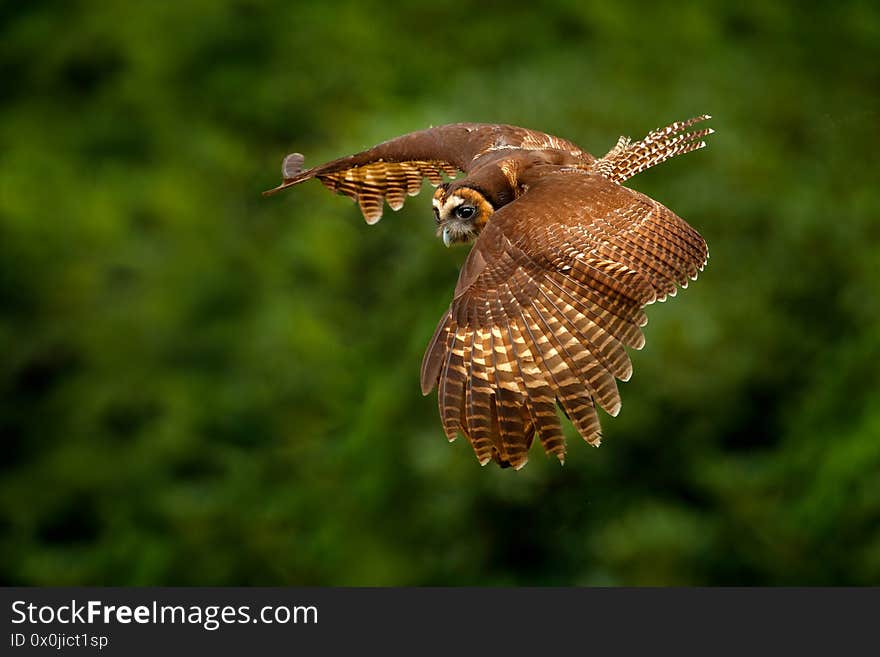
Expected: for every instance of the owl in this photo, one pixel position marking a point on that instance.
(553, 290)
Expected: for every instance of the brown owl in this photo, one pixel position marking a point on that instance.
(552, 292)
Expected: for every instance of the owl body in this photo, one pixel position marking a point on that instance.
(564, 259)
(496, 179)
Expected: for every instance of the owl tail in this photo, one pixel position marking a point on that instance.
(628, 158)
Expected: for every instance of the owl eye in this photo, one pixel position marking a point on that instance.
(465, 211)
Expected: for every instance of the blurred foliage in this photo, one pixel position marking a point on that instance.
(202, 386)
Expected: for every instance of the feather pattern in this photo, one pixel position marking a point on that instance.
(629, 158)
(396, 168)
(550, 296)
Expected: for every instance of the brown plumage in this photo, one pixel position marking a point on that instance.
(552, 292)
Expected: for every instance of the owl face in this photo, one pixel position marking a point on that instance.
(460, 214)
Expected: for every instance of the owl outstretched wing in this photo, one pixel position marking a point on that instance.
(548, 299)
(396, 168)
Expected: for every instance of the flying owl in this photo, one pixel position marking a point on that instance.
(564, 259)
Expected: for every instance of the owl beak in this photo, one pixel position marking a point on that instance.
(446, 239)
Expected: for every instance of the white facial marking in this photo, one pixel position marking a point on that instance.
(453, 202)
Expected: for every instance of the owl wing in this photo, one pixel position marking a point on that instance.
(397, 167)
(549, 297)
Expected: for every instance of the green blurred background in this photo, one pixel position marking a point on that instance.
(203, 386)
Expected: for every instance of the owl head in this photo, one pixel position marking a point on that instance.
(460, 212)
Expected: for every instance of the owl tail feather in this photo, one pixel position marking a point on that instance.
(628, 158)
